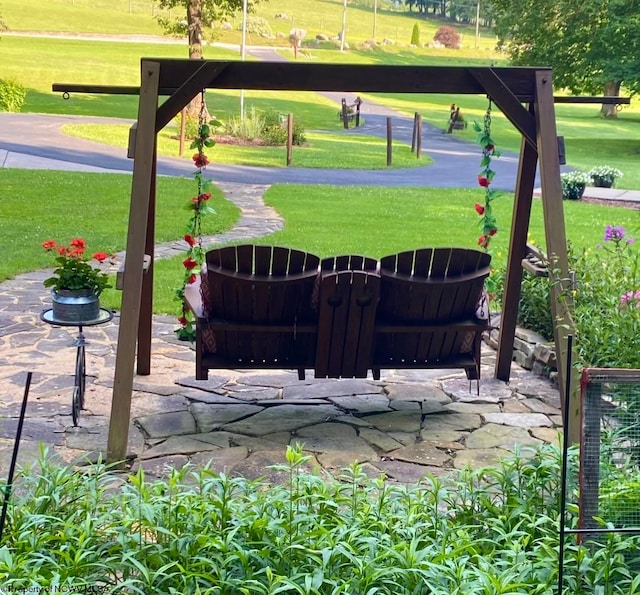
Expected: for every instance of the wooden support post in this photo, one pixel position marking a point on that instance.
(559, 278)
(419, 138)
(517, 250)
(145, 323)
(141, 185)
(289, 138)
(389, 142)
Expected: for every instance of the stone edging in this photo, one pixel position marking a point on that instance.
(530, 350)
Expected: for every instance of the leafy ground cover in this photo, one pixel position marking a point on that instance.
(489, 531)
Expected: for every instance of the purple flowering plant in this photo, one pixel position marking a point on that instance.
(607, 301)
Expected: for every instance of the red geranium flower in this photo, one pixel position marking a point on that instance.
(100, 256)
(73, 270)
(479, 208)
(190, 263)
(192, 279)
(482, 240)
(200, 160)
(205, 196)
(493, 232)
(489, 147)
(483, 181)
(183, 321)
(190, 239)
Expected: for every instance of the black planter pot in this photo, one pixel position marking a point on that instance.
(574, 193)
(600, 182)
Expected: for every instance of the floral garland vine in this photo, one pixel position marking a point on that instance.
(198, 206)
(488, 223)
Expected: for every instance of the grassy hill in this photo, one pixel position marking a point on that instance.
(136, 17)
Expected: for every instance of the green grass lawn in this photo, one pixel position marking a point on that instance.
(42, 205)
(78, 16)
(331, 220)
(326, 220)
(332, 151)
(589, 139)
(37, 63)
(315, 16)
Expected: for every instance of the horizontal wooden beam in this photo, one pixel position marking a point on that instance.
(133, 90)
(293, 76)
(606, 99)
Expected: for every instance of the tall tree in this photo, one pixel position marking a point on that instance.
(199, 15)
(592, 45)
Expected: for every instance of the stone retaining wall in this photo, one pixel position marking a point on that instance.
(530, 350)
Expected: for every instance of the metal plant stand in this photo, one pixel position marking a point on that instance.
(80, 383)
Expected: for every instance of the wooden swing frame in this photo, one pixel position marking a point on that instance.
(524, 95)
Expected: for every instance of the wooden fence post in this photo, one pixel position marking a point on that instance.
(414, 132)
(419, 137)
(389, 141)
(289, 138)
(345, 114)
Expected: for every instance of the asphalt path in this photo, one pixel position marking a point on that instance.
(36, 141)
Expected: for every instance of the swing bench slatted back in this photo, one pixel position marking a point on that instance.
(272, 307)
(258, 311)
(427, 315)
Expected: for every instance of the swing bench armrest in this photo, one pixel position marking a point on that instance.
(193, 299)
(146, 263)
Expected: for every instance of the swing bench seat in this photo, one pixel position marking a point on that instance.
(262, 307)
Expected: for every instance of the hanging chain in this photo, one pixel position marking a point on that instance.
(488, 224)
(198, 207)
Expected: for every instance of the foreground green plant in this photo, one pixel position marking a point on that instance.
(492, 530)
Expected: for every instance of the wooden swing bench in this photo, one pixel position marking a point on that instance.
(264, 307)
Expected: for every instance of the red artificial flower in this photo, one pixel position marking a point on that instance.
(78, 243)
(190, 239)
(100, 256)
(192, 279)
(493, 232)
(482, 240)
(190, 263)
(183, 321)
(61, 250)
(483, 181)
(75, 252)
(49, 245)
(205, 196)
(200, 160)
(479, 208)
